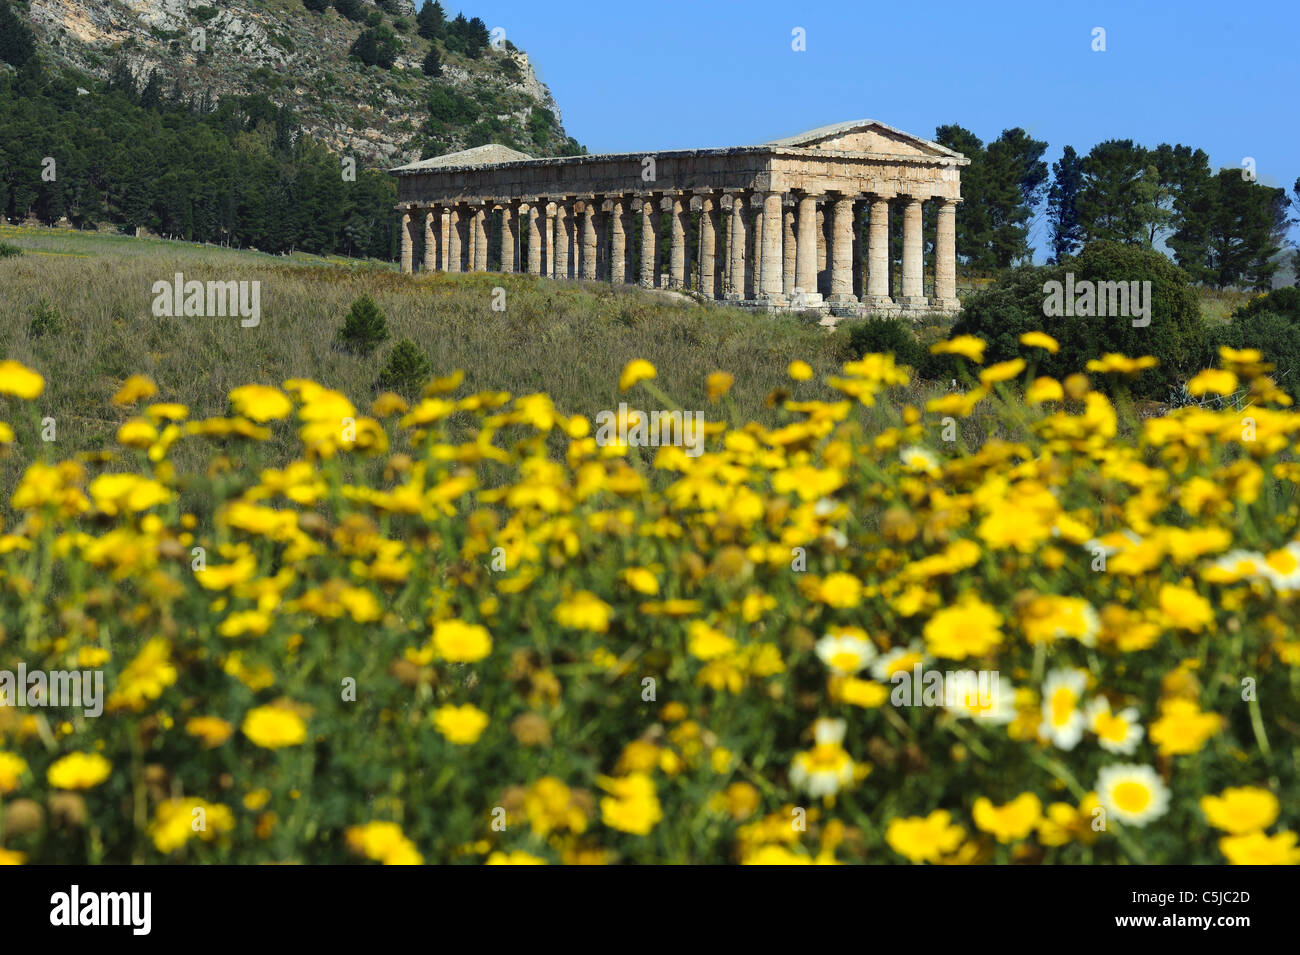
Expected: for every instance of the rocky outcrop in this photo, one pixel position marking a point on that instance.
(299, 59)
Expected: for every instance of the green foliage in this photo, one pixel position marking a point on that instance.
(204, 172)
(8, 251)
(1270, 323)
(431, 21)
(17, 44)
(46, 319)
(365, 328)
(406, 371)
(317, 6)
(1015, 304)
(352, 9)
(892, 335)
(432, 65)
(205, 13)
(467, 37)
(376, 46)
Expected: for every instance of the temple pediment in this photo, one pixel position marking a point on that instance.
(487, 155)
(864, 137)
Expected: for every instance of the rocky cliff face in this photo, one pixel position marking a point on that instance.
(300, 59)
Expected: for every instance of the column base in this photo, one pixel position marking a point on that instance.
(946, 304)
(801, 299)
(878, 301)
(733, 297)
(913, 301)
(841, 298)
(774, 299)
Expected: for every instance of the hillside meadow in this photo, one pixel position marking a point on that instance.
(459, 629)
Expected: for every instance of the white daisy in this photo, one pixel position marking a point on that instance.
(919, 460)
(1116, 732)
(1133, 794)
(1281, 568)
(1063, 721)
(982, 696)
(827, 767)
(846, 651)
(899, 659)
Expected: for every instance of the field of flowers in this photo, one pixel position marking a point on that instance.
(465, 631)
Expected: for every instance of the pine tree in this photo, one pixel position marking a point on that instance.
(431, 20)
(365, 328)
(1062, 199)
(407, 369)
(432, 63)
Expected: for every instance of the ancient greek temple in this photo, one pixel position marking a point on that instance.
(797, 223)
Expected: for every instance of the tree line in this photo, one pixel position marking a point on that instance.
(1223, 228)
(133, 154)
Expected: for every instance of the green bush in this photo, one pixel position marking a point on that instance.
(892, 335)
(407, 369)
(1017, 303)
(46, 319)
(8, 251)
(1270, 323)
(365, 328)
(352, 9)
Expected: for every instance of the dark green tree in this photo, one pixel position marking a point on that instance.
(17, 44)
(432, 65)
(406, 371)
(365, 328)
(1064, 234)
(431, 21)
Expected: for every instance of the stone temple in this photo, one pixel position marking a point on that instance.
(798, 223)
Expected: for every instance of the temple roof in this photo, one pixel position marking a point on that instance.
(860, 136)
(487, 155)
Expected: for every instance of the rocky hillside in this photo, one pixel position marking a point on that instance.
(299, 53)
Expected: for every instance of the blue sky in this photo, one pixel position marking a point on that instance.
(665, 74)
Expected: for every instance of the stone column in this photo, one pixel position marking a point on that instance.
(408, 245)
(913, 255)
(709, 245)
(842, 252)
(508, 233)
(444, 237)
(805, 267)
(773, 262)
(677, 206)
(617, 242)
(589, 238)
(629, 230)
(563, 213)
(754, 260)
(534, 239)
(484, 223)
(736, 250)
(548, 241)
(878, 254)
(789, 246)
(431, 216)
(649, 241)
(945, 256)
(455, 237)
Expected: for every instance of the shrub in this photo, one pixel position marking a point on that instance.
(1270, 323)
(377, 46)
(8, 251)
(352, 9)
(46, 319)
(432, 65)
(407, 369)
(1014, 304)
(316, 6)
(893, 335)
(365, 328)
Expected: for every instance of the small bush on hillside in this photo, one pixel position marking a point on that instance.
(8, 251)
(352, 9)
(365, 328)
(1015, 304)
(407, 369)
(46, 319)
(316, 6)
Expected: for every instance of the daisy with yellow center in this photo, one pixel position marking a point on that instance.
(899, 660)
(1240, 809)
(1063, 721)
(826, 768)
(846, 650)
(1281, 568)
(1133, 794)
(919, 460)
(1116, 732)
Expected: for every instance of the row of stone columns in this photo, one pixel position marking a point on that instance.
(775, 251)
